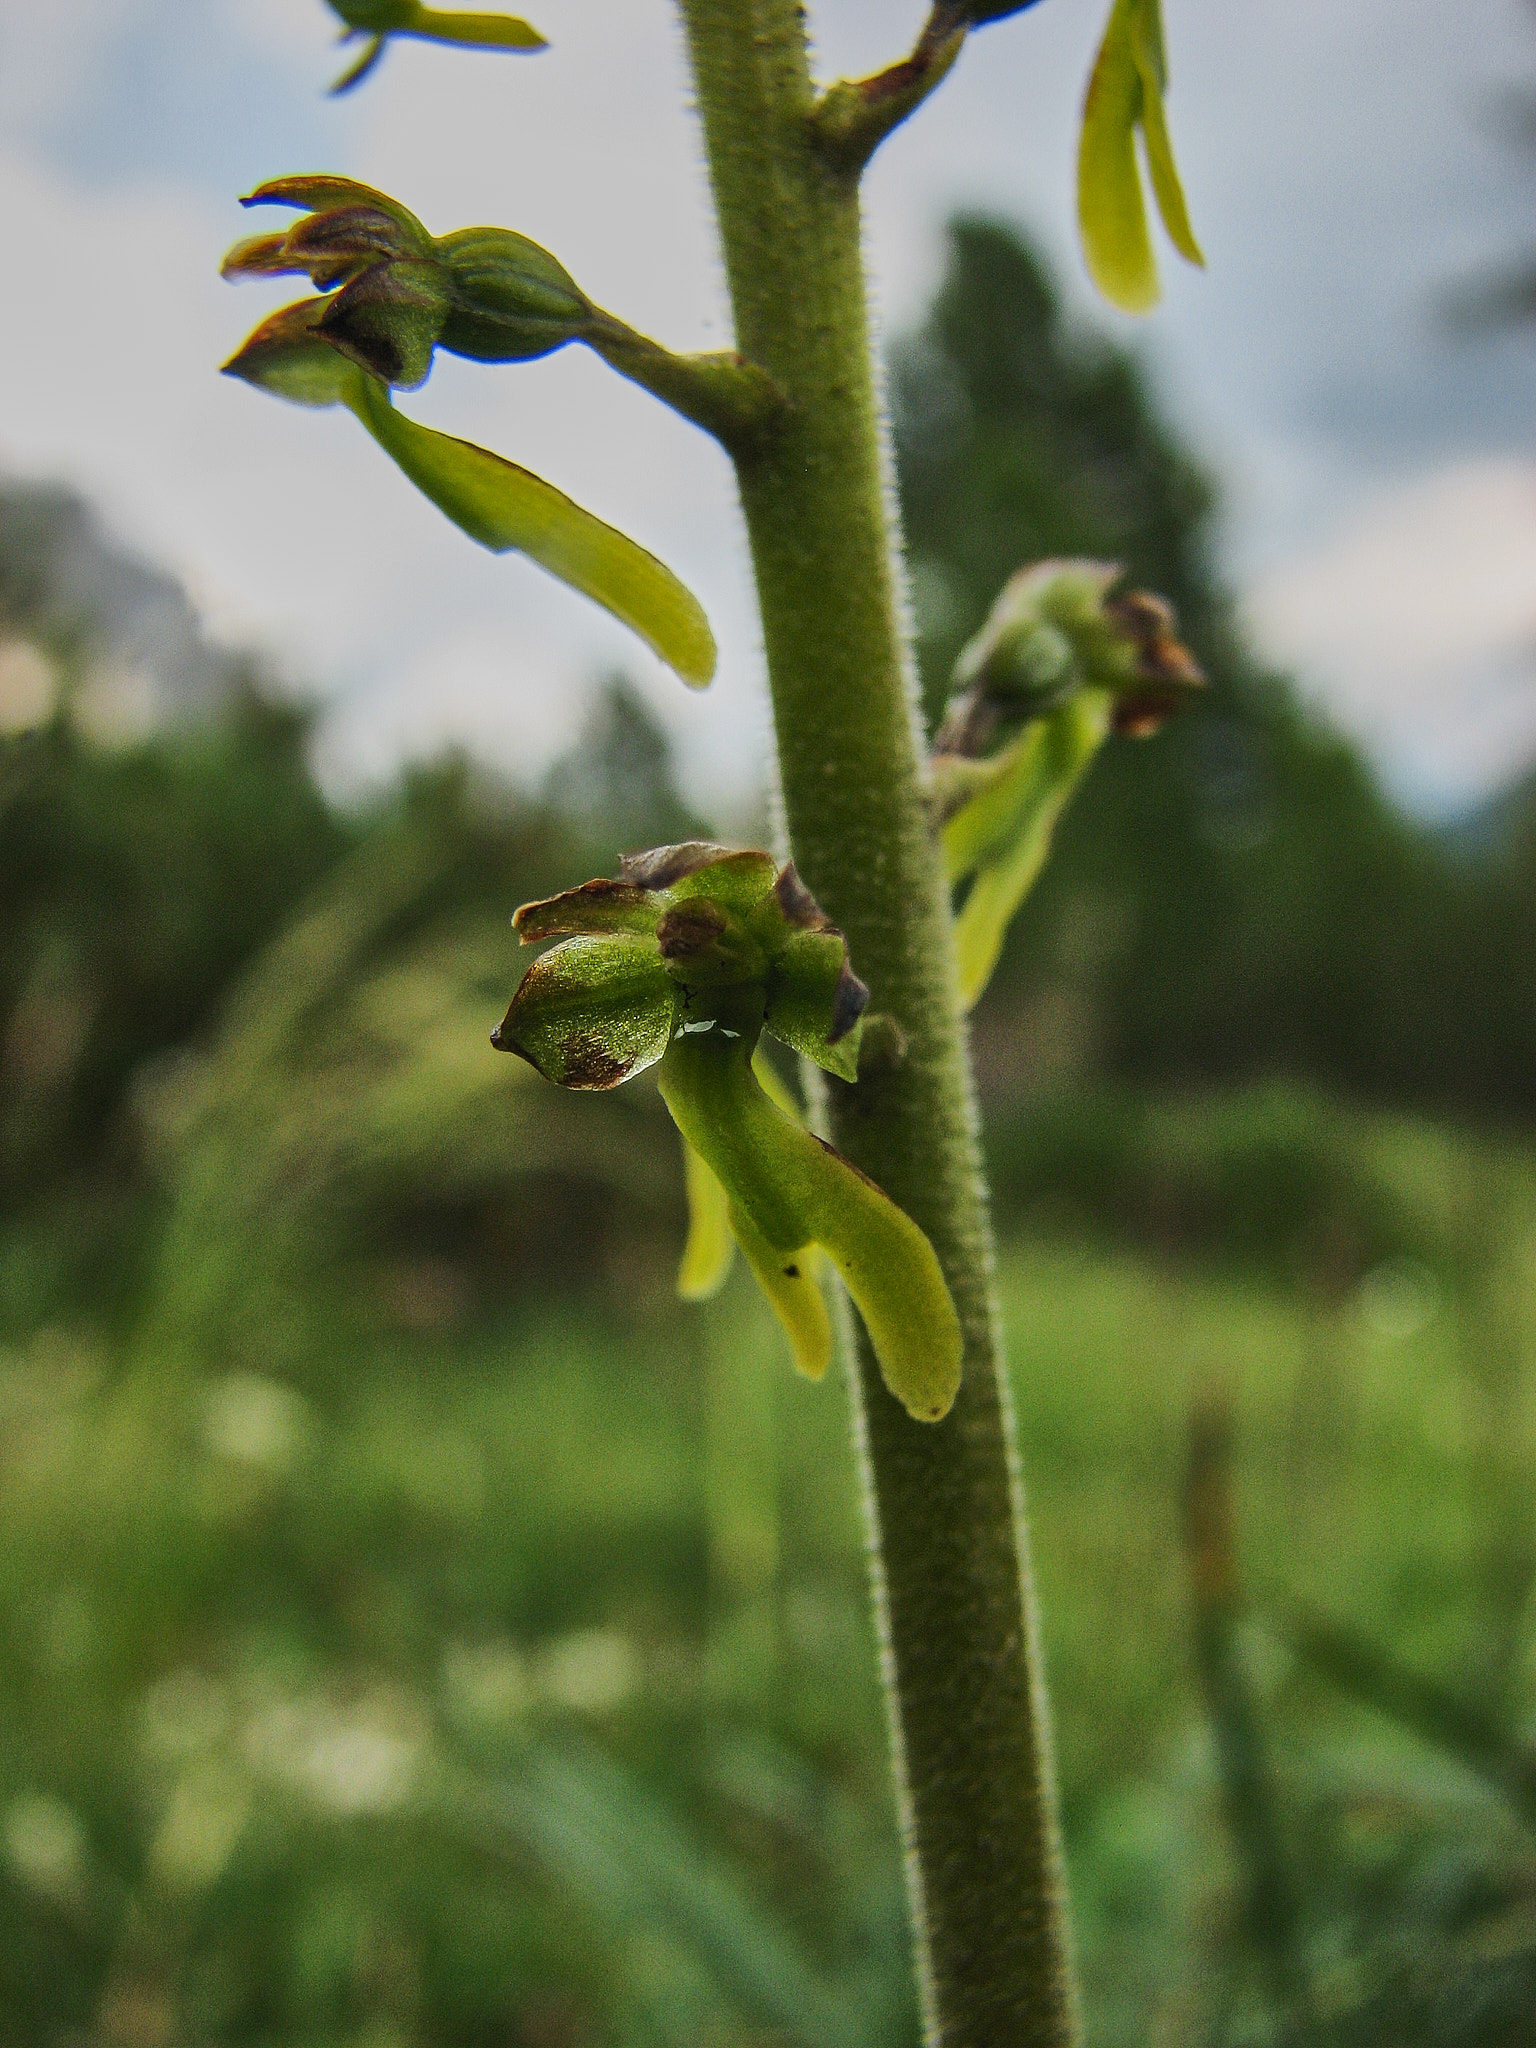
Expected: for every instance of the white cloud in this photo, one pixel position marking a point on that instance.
(1414, 623)
(290, 528)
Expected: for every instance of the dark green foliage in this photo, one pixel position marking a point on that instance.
(136, 885)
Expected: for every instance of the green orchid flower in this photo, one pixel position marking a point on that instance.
(682, 963)
(1061, 663)
(390, 295)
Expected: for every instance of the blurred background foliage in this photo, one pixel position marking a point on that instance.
(416, 1627)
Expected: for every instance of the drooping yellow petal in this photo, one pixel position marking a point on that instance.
(707, 1254)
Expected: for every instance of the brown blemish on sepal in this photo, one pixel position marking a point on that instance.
(660, 866)
(799, 906)
(332, 244)
(589, 1065)
(587, 1062)
(599, 906)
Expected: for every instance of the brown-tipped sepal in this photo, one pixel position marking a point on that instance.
(387, 320)
(816, 1002)
(595, 908)
(288, 356)
(592, 1012)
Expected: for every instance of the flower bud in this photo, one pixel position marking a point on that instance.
(485, 293)
(1054, 630)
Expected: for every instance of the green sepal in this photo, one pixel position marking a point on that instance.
(1152, 63)
(375, 17)
(738, 878)
(387, 320)
(1126, 91)
(591, 1012)
(1111, 213)
(373, 49)
(475, 31)
(510, 300)
(1010, 835)
(600, 906)
(319, 192)
(792, 1192)
(816, 1002)
(287, 356)
(505, 507)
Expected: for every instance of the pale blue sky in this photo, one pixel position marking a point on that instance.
(1344, 165)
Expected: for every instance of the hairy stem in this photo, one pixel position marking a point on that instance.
(952, 1587)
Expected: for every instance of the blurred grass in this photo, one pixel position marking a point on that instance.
(301, 1660)
(417, 1627)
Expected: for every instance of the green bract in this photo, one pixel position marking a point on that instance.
(1059, 664)
(1125, 92)
(378, 20)
(394, 294)
(685, 960)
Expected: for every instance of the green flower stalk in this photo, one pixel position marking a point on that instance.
(682, 963)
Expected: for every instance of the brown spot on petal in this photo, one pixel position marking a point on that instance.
(256, 256)
(1161, 657)
(690, 929)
